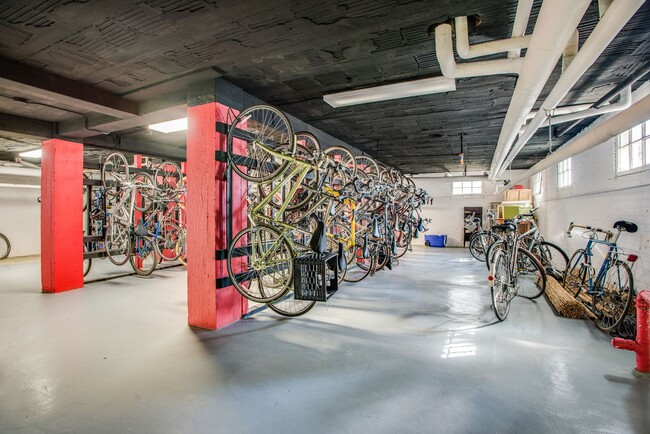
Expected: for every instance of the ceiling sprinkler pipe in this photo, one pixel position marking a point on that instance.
(555, 25)
(607, 130)
(618, 14)
(450, 69)
(624, 102)
(522, 16)
(466, 51)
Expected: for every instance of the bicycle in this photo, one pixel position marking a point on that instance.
(514, 272)
(611, 287)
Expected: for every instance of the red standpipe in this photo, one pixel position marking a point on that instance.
(642, 344)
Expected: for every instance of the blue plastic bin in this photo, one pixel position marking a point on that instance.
(436, 240)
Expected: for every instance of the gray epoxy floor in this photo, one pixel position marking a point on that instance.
(412, 350)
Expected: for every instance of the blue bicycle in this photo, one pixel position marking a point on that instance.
(611, 287)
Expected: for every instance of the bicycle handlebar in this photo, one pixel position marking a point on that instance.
(608, 233)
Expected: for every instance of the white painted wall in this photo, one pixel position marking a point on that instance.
(598, 197)
(20, 219)
(447, 209)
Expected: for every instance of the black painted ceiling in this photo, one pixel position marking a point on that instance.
(290, 53)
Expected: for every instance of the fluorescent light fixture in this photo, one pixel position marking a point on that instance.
(391, 91)
(170, 126)
(36, 153)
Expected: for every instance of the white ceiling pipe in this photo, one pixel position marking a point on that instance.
(618, 14)
(565, 110)
(624, 102)
(612, 127)
(570, 51)
(556, 22)
(450, 69)
(466, 51)
(521, 23)
(19, 171)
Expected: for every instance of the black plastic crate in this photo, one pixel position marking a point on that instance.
(315, 276)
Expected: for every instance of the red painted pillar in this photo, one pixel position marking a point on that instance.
(61, 216)
(208, 306)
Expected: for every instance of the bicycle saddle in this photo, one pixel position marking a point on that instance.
(318, 242)
(140, 229)
(505, 227)
(626, 226)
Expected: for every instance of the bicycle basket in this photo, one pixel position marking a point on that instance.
(315, 276)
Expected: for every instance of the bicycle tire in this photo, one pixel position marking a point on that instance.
(616, 298)
(146, 189)
(168, 178)
(360, 267)
(117, 243)
(479, 244)
(288, 306)
(88, 262)
(575, 275)
(115, 171)
(490, 252)
(308, 141)
(260, 124)
(250, 283)
(367, 166)
(553, 258)
(168, 233)
(5, 247)
(499, 292)
(531, 277)
(144, 263)
(347, 170)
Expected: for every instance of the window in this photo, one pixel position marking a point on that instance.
(633, 148)
(467, 187)
(564, 173)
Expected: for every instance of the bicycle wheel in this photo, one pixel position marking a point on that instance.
(5, 247)
(167, 241)
(615, 290)
(346, 167)
(117, 243)
(479, 244)
(260, 264)
(168, 178)
(531, 277)
(552, 258)
(360, 267)
(308, 141)
(144, 258)
(287, 305)
(88, 262)
(115, 171)
(254, 129)
(489, 255)
(146, 190)
(501, 283)
(367, 166)
(576, 275)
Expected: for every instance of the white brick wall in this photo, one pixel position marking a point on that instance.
(20, 219)
(598, 197)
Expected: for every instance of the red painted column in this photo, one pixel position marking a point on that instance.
(61, 216)
(208, 307)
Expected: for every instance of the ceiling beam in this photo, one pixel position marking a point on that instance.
(27, 126)
(159, 109)
(41, 86)
(136, 146)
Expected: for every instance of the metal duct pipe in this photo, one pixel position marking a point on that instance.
(631, 79)
(624, 102)
(522, 16)
(450, 69)
(466, 51)
(618, 14)
(607, 130)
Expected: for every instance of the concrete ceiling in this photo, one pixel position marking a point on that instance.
(84, 68)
